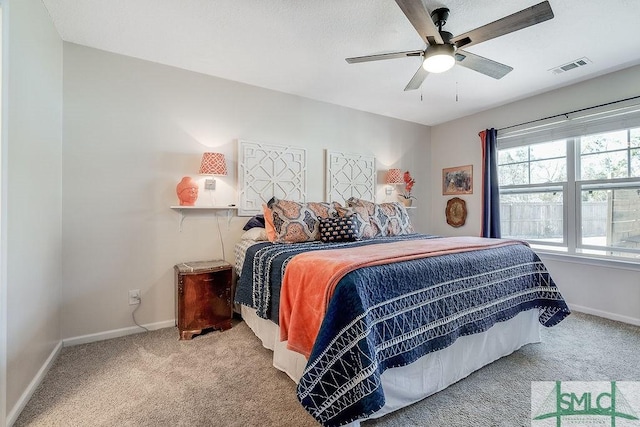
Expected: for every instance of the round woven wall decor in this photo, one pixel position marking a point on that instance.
(456, 212)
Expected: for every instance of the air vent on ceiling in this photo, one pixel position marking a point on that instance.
(571, 65)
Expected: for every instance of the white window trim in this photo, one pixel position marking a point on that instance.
(616, 263)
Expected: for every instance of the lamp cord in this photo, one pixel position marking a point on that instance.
(220, 235)
(133, 315)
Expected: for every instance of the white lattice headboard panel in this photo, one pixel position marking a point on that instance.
(350, 175)
(266, 170)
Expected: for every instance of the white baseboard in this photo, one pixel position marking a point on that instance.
(115, 333)
(605, 314)
(12, 416)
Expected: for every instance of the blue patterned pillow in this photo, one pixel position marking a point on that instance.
(339, 229)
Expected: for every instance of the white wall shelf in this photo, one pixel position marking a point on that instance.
(183, 210)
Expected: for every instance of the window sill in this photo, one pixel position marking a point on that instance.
(617, 263)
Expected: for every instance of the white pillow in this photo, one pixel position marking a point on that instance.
(255, 233)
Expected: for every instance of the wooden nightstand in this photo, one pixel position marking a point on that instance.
(203, 297)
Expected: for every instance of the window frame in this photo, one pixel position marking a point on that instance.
(544, 188)
(602, 184)
(572, 242)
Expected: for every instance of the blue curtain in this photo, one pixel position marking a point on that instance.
(490, 193)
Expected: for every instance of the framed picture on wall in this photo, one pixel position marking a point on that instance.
(457, 180)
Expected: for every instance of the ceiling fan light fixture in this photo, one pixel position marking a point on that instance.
(439, 58)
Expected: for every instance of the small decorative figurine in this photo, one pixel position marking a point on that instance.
(187, 191)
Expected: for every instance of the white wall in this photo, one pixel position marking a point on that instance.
(32, 147)
(605, 291)
(133, 128)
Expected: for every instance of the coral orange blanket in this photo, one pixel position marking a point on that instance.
(311, 277)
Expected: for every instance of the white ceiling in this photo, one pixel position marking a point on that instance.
(299, 47)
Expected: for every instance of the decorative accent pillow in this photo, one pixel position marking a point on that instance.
(365, 230)
(299, 222)
(393, 219)
(268, 223)
(255, 233)
(254, 221)
(339, 229)
(366, 210)
(387, 219)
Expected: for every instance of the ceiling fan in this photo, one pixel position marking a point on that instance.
(444, 50)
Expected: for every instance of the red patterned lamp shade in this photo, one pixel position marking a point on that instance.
(394, 176)
(213, 164)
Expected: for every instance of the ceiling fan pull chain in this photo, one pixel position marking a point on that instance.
(456, 91)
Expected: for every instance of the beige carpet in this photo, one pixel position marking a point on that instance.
(226, 379)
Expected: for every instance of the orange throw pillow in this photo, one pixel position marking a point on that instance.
(268, 223)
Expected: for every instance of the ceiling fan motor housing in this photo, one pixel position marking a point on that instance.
(446, 37)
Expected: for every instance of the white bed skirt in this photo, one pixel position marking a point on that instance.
(431, 373)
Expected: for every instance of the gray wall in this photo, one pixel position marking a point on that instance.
(605, 290)
(31, 151)
(133, 128)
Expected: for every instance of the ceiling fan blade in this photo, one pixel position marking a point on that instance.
(517, 21)
(420, 18)
(417, 79)
(482, 65)
(384, 56)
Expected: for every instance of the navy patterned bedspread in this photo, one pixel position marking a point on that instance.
(259, 283)
(371, 326)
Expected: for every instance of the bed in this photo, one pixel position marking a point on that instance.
(438, 319)
(364, 314)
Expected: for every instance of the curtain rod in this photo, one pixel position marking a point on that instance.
(566, 115)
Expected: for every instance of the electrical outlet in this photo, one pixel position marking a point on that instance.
(134, 296)
(210, 184)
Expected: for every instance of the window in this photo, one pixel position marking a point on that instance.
(579, 195)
